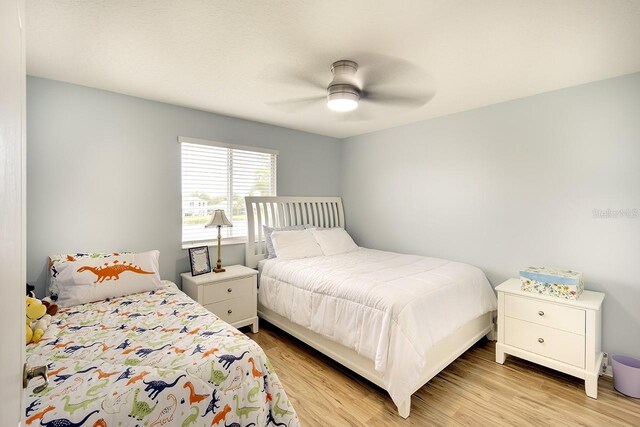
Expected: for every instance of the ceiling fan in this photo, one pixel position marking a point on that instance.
(383, 81)
(343, 92)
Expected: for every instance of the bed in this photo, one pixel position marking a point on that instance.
(153, 359)
(395, 319)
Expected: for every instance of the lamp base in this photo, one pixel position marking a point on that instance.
(218, 270)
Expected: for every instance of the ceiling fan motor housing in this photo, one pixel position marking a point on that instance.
(344, 73)
(343, 90)
(344, 86)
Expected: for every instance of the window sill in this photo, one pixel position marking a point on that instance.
(224, 242)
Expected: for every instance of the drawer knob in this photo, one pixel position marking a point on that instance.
(229, 290)
(231, 311)
(541, 313)
(540, 340)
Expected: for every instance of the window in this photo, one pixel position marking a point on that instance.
(219, 176)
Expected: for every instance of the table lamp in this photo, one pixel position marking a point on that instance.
(219, 219)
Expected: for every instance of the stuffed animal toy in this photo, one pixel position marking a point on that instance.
(52, 307)
(40, 327)
(37, 323)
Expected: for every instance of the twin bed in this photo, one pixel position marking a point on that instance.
(152, 359)
(158, 358)
(395, 319)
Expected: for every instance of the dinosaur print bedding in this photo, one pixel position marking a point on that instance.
(152, 359)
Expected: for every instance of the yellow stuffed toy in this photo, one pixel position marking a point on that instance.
(36, 321)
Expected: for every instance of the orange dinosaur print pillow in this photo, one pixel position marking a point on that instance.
(56, 260)
(87, 279)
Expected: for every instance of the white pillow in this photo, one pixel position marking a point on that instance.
(271, 253)
(295, 244)
(333, 241)
(86, 280)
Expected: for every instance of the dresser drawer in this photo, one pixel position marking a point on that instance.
(545, 313)
(545, 341)
(233, 310)
(222, 291)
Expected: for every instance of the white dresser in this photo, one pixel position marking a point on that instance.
(557, 333)
(231, 295)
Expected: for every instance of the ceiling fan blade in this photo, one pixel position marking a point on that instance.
(291, 105)
(379, 70)
(302, 79)
(393, 99)
(298, 78)
(395, 81)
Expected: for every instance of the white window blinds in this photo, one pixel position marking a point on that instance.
(220, 176)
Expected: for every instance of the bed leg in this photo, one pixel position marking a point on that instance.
(493, 333)
(404, 408)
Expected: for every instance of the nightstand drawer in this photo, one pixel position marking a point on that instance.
(545, 313)
(233, 310)
(548, 342)
(222, 291)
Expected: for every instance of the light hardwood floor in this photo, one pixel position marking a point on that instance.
(473, 390)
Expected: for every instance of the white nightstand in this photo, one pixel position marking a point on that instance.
(231, 295)
(557, 333)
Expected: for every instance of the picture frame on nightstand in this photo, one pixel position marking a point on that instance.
(199, 260)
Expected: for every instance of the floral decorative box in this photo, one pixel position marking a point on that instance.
(554, 282)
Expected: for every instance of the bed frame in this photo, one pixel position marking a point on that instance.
(284, 212)
(329, 212)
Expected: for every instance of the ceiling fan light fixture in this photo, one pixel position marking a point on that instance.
(342, 98)
(342, 105)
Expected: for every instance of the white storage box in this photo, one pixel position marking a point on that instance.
(554, 282)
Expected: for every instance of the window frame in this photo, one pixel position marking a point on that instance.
(225, 240)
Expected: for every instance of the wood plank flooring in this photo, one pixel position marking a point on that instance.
(472, 391)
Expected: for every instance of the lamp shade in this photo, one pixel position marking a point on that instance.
(219, 219)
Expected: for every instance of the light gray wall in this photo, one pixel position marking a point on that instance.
(512, 185)
(501, 187)
(104, 172)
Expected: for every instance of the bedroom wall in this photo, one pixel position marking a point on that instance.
(103, 172)
(511, 185)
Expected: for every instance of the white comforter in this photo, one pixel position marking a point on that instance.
(389, 307)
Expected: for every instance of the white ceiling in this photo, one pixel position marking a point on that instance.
(233, 57)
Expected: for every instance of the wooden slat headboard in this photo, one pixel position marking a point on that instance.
(283, 212)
